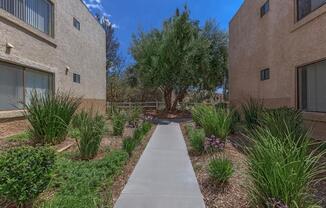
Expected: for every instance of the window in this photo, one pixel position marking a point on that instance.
(264, 74)
(17, 84)
(76, 78)
(264, 9)
(37, 13)
(76, 24)
(312, 85)
(305, 7)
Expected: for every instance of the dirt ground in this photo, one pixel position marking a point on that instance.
(12, 127)
(229, 195)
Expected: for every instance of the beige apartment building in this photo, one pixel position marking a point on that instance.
(50, 45)
(278, 54)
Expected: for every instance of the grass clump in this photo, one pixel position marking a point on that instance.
(283, 168)
(78, 183)
(198, 112)
(21, 137)
(118, 123)
(25, 172)
(220, 170)
(197, 139)
(252, 111)
(133, 116)
(50, 116)
(129, 144)
(91, 129)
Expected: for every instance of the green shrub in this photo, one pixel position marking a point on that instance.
(217, 122)
(78, 183)
(129, 144)
(78, 119)
(24, 174)
(91, 130)
(252, 111)
(220, 170)
(50, 116)
(134, 116)
(146, 127)
(197, 139)
(198, 111)
(282, 121)
(118, 123)
(282, 168)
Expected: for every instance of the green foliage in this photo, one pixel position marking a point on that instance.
(50, 116)
(25, 173)
(181, 56)
(78, 119)
(197, 139)
(252, 111)
(118, 123)
(22, 137)
(129, 144)
(217, 122)
(91, 129)
(282, 168)
(146, 126)
(198, 112)
(283, 121)
(134, 116)
(236, 118)
(220, 170)
(78, 182)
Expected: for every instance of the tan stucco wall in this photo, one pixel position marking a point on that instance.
(276, 41)
(82, 51)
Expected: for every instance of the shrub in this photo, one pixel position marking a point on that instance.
(25, 173)
(197, 138)
(129, 144)
(118, 122)
(252, 111)
(91, 130)
(217, 122)
(50, 116)
(282, 121)
(146, 127)
(198, 111)
(78, 119)
(282, 169)
(220, 170)
(134, 116)
(213, 144)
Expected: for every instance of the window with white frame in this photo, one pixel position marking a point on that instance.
(17, 83)
(37, 13)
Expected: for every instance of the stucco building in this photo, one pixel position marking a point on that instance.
(50, 45)
(278, 54)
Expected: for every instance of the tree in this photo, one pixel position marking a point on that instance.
(180, 56)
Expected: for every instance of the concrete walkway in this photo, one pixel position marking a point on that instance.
(163, 177)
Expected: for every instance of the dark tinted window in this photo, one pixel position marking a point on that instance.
(76, 78)
(264, 9)
(264, 74)
(76, 24)
(305, 7)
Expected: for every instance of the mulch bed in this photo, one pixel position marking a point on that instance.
(122, 179)
(229, 195)
(12, 127)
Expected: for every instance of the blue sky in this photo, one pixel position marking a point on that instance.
(131, 15)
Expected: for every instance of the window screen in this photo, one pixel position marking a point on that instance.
(11, 87)
(312, 85)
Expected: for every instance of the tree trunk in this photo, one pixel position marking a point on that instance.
(168, 98)
(178, 99)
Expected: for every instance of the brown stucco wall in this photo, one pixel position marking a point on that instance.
(83, 52)
(276, 41)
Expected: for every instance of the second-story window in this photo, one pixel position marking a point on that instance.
(76, 24)
(264, 9)
(264, 74)
(37, 13)
(305, 7)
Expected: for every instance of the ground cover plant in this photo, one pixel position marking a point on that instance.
(21, 137)
(220, 169)
(25, 172)
(91, 129)
(50, 115)
(283, 169)
(78, 183)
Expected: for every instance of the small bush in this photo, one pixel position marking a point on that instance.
(134, 116)
(220, 170)
(198, 112)
(217, 122)
(252, 111)
(118, 123)
(146, 127)
(283, 169)
(50, 116)
(78, 119)
(197, 139)
(129, 144)
(91, 130)
(213, 144)
(24, 174)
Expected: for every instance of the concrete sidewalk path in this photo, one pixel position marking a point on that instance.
(163, 177)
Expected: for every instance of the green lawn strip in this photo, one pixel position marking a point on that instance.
(21, 137)
(78, 183)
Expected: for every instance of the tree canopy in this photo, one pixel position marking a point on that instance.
(180, 56)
